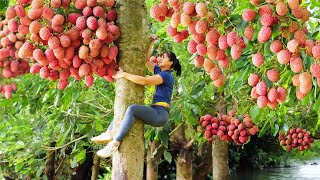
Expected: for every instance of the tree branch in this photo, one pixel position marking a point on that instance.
(56, 148)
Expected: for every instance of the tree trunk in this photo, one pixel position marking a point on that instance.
(95, 167)
(203, 161)
(152, 162)
(220, 167)
(184, 166)
(220, 149)
(184, 158)
(127, 163)
(49, 169)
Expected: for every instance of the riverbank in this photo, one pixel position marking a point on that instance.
(308, 170)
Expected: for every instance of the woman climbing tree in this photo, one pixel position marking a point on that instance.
(155, 115)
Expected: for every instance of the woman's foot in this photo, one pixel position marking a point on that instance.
(102, 138)
(109, 149)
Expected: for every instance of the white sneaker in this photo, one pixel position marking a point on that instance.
(108, 150)
(102, 138)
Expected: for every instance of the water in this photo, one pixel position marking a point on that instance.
(299, 172)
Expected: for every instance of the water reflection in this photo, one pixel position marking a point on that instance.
(303, 172)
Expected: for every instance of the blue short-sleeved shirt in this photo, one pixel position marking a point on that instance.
(164, 90)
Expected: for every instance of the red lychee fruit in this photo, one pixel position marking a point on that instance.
(257, 59)
(198, 61)
(212, 37)
(315, 70)
(262, 101)
(212, 52)
(296, 64)
(89, 80)
(231, 38)
(62, 84)
(284, 56)
(300, 36)
(273, 75)
(316, 52)
(201, 26)
(189, 7)
(248, 32)
(248, 15)
(293, 4)
(293, 46)
(265, 9)
(192, 47)
(253, 80)
(261, 88)
(272, 94)
(264, 34)
(281, 9)
(201, 49)
(276, 46)
(223, 44)
(235, 52)
(266, 20)
(201, 9)
(282, 94)
(215, 73)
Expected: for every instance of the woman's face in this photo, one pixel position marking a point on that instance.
(164, 60)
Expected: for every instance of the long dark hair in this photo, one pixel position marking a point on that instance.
(175, 65)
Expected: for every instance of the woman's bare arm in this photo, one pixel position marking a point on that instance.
(150, 65)
(149, 80)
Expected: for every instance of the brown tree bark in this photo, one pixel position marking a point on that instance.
(127, 163)
(184, 166)
(184, 159)
(95, 167)
(49, 169)
(203, 161)
(220, 167)
(220, 149)
(153, 160)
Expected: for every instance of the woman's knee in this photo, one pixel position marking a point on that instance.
(132, 108)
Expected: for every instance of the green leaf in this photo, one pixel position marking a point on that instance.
(3, 4)
(167, 156)
(81, 155)
(316, 106)
(255, 113)
(61, 140)
(19, 145)
(264, 129)
(275, 129)
(57, 99)
(99, 127)
(18, 166)
(198, 87)
(163, 136)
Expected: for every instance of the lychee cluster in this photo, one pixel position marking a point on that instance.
(8, 89)
(267, 96)
(270, 14)
(11, 39)
(212, 49)
(268, 18)
(296, 138)
(228, 128)
(61, 44)
(207, 43)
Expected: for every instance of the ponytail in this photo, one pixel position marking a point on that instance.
(176, 64)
